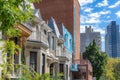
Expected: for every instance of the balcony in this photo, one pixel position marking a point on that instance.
(67, 54)
(60, 40)
(39, 37)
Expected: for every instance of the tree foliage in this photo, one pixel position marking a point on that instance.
(112, 69)
(117, 71)
(97, 58)
(12, 13)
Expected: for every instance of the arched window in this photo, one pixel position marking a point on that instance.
(45, 32)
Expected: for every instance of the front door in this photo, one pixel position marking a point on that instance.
(51, 70)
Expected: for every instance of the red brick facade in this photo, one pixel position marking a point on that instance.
(63, 12)
(77, 40)
(84, 70)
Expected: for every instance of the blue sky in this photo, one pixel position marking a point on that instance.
(98, 14)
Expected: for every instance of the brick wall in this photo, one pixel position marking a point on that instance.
(60, 10)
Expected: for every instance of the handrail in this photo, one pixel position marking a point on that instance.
(16, 70)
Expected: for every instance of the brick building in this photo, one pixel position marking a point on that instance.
(64, 11)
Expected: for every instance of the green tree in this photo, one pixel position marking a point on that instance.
(111, 69)
(117, 71)
(12, 13)
(109, 74)
(97, 58)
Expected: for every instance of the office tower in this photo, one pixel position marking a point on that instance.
(67, 12)
(88, 37)
(112, 42)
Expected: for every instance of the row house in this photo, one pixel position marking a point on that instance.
(13, 61)
(37, 45)
(45, 50)
(64, 48)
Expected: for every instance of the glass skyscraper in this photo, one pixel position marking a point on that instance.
(112, 40)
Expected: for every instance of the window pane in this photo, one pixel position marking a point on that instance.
(43, 63)
(33, 60)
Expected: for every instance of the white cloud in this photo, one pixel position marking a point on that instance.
(102, 38)
(93, 17)
(104, 12)
(85, 2)
(87, 9)
(108, 16)
(103, 3)
(95, 29)
(118, 14)
(93, 20)
(83, 19)
(107, 21)
(115, 5)
(98, 29)
(89, 19)
(82, 28)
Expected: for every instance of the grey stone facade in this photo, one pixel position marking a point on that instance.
(87, 37)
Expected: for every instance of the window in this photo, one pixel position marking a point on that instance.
(43, 63)
(33, 60)
(16, 58)
(61, 68)
(66, 38)
(52, 43)
(67, 72)
(49, 41)
(9, 61)
(16, 40)
(70, 43)
(45, 32)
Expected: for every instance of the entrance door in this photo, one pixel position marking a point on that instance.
(43, 63)
(33, 60)
(62, 70)
(51, 70)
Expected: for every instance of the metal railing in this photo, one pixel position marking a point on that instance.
(13, 70)
(63, 53)
(16, 70)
